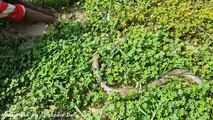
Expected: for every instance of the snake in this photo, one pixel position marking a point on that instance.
(125, 91)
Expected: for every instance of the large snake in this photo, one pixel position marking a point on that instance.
(159, 82)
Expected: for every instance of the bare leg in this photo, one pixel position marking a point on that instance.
(26, 5)
(36, 17)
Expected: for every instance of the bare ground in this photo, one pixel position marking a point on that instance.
(22, 36)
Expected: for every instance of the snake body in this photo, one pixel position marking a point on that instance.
(159, 82)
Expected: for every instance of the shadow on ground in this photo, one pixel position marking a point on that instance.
(18, 37)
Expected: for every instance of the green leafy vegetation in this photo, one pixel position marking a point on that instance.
(138, 42)
(56, 3)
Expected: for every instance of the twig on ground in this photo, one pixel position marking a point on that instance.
(79, 112)
(206, 33)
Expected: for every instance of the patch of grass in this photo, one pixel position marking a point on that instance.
(137, 42)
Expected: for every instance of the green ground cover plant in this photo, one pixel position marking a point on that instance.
(137, 42)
